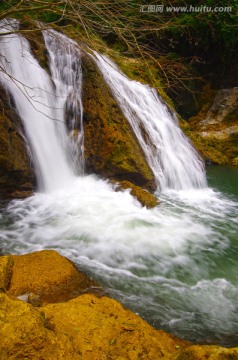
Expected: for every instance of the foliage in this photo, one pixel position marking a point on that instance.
(180, 44)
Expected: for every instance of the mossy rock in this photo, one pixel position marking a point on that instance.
(143, 196)
(214, 130)
(31, 31)
(111, 148)
(16, 173)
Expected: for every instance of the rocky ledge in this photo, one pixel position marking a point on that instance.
(48, 311)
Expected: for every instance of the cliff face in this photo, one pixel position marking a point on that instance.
(214, 130)
(111, 148)
(16, 175)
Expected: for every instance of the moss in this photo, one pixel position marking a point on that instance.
(207, 148)
(36, 40)
(139, 69)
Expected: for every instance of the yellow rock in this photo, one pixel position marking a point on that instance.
(143, 196)
(207, 352)
(84, 328)
(24, 334)
(48, 275)
(6, 263)
(100, 328)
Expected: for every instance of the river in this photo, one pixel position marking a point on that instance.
(175, 265)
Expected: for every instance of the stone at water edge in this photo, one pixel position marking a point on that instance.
(143, 196)
(85, 328)
(47, 275)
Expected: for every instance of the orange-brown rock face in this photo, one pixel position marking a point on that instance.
(143, 196)
(46, 277)
(102, 328)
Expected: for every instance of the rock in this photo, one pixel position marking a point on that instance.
(111, 148)
(24, 334)
(87, 327)
(207, 352)
(46, 277)
(102, 328)
(224, 104)
(21, 194)
(143, 196)
(214, 129)
(16, 173)
(84, 328)
(6, 264)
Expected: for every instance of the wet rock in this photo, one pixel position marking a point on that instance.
(111, 148)
(46, 277)
(143, 196)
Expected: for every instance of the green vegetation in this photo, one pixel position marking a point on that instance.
(180, 44)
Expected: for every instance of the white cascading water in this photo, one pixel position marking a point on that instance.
(175, 163)
(66, 72)
(176, 265)
(40, 105)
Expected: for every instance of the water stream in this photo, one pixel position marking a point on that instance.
(175, 265)
(173, 160)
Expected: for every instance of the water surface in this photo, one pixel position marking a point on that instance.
(175, 265)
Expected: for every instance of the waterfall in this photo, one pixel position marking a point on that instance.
(52, 112)
(66, 72)
(41, 104)
(173, 160)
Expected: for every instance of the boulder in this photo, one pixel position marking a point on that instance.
(101, 328)
(143, 196)
(46, 277)
(111, 148)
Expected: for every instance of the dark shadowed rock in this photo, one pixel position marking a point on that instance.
(16, 173)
